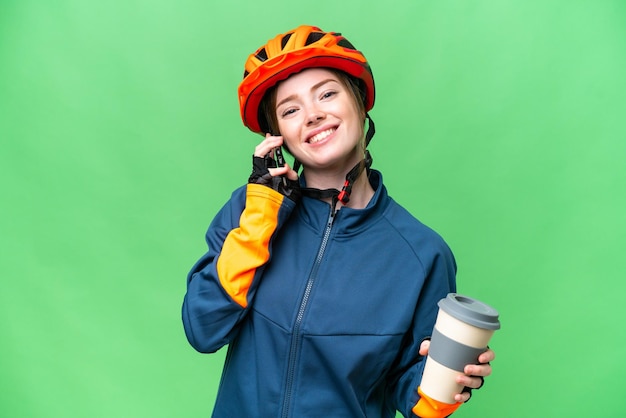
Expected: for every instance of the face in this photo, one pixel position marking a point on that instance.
(319, 120)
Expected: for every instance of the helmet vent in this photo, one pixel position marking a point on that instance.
(261, 54)
(314, 37)
(284, 41)
(346, 44)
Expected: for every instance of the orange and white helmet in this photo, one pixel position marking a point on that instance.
(292, 52)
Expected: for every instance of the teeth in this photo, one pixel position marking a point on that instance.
(321, 135)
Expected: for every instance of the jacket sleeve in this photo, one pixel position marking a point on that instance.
(440, 279)
(222, 284)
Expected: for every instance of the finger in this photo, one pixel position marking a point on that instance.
(291, 174)
(487, 356)
(280, 171)
(267, 145)
(424, 346)
(275, 139)
(462, 397)
(477, 370)
(470, 381)
(285, 170)
(264, 148)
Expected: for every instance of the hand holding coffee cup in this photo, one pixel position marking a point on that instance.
(462, 331)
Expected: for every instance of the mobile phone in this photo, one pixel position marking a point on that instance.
(278, 156)
(280, 161)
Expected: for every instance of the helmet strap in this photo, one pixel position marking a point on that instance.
(371, 129)
(342, 196)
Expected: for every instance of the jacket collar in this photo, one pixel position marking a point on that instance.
(315, 213)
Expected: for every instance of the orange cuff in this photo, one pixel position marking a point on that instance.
(427, 407)
(247, 246)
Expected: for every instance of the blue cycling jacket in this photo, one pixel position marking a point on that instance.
(323, 315)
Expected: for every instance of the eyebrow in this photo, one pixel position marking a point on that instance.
(315, 87)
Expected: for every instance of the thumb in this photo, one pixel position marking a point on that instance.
(291, 174)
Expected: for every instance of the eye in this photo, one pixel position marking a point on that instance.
(328, 94)
(288, 111)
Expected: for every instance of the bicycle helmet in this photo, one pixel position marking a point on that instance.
(291, 52)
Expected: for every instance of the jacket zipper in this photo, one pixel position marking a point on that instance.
(296, 337)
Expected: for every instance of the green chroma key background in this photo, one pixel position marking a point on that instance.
(499, 123)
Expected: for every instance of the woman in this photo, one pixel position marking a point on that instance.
(324, 289)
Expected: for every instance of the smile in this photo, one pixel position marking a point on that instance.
(321, 135)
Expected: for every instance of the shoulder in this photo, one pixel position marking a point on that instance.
(417, 246)
(407, 227)
(419, 236)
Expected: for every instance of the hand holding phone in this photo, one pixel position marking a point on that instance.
(264, 165)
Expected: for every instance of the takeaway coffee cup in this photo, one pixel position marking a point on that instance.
(462, 331)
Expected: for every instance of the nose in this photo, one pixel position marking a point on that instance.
(314, 115)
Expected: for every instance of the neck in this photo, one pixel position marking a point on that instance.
(361, 193)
